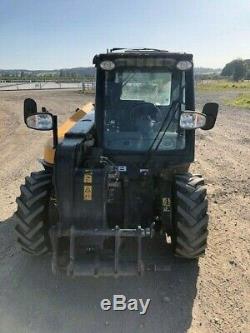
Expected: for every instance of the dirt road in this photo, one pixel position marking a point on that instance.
(197, 298)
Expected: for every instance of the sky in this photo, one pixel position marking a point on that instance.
(52, 34)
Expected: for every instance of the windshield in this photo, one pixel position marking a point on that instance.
(139, 106)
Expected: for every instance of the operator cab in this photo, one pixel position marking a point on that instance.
(140, 96)
(143, 94)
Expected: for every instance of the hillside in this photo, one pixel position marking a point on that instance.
(74, 73)
(206, 71)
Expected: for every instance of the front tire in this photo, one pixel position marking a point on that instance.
(32, 214)
(190, 216)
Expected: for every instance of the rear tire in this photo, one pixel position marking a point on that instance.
(190, 216)
(32, 214)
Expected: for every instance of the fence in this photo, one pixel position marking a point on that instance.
(87, 87)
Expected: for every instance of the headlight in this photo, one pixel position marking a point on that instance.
(190, 120)
(184, 65)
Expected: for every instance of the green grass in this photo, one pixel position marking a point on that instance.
(214, 85)
(242, 101)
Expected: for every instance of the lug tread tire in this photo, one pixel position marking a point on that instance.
(191, 219)
(31, 228)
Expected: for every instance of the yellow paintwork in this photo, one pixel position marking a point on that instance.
(49, 151)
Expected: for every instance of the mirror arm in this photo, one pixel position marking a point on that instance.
(55, 132)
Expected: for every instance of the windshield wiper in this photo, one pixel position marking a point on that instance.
(128, 79)
(171, 113)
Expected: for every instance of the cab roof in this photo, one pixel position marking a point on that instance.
(140, 53)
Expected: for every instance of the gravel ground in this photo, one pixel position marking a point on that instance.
(211, 296)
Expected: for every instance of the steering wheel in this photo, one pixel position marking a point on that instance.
(149, 114)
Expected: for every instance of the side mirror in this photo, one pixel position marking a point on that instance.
(211, 111)
(42, 121)
(29, 108)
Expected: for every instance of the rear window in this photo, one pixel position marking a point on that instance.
(151, 87)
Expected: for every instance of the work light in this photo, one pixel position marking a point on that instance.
(184, 65)
(191, 120)
(107, 65)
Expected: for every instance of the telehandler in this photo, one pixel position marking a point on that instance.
(117, 174)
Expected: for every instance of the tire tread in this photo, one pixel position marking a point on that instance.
(31, 231)
(191, 219)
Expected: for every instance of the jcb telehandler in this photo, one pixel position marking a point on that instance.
(117, 174)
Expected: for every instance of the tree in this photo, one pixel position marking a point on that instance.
(239, 70)
(235, 69)
(61, 73)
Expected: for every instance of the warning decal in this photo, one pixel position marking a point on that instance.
(87, 192)
(87, 178)
(87, 185)
(166, 205)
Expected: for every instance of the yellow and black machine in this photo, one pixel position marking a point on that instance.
(117, 174)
